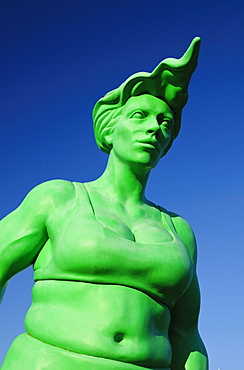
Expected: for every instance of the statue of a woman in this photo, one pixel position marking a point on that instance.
(115, 274)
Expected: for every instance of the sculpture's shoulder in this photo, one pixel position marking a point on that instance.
(185, 232)
(50, 194)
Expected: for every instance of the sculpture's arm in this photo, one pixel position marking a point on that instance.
(189, 352)
(23, 232)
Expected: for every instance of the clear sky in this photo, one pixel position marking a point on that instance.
(58, 57)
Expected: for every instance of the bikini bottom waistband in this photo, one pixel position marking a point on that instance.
(28, 353)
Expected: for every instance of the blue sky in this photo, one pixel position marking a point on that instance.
(58, 57)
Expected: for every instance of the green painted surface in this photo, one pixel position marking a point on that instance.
(115, 274)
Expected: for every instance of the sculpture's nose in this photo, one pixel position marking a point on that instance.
(153, 126)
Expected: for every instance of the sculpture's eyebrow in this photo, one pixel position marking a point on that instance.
(167, 115)
(132, 109)
(142, 106)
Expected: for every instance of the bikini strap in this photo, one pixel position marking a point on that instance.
(81, 193)
(167, 220)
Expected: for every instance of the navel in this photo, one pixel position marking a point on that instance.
(118, 337)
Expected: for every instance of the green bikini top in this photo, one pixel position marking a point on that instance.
(85, 250)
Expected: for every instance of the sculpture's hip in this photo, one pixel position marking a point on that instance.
(29, 353)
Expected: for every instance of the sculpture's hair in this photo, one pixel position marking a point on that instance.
(168, 81)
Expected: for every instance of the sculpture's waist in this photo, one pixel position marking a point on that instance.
(30, 353)
(108, 321)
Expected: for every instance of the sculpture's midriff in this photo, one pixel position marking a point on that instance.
(100, 294)
(109, 321)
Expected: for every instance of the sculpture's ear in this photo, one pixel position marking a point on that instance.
(108, 135)
(108, 138)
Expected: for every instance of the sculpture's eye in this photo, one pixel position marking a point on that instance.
(167, 124)
(138, 114)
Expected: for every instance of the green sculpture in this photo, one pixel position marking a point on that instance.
(115, 274)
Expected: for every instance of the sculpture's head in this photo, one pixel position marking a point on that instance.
(168, 82)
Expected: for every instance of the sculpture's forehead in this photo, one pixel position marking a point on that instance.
(148, 102)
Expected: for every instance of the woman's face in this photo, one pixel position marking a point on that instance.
(143, 131)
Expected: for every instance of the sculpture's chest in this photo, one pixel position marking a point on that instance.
(85, 250)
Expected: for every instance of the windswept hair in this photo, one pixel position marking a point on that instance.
(168, 81)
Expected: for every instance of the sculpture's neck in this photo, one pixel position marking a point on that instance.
(123, 181)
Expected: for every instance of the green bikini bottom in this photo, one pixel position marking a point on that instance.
(28, 353)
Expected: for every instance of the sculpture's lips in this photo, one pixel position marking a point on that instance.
(149, 144)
